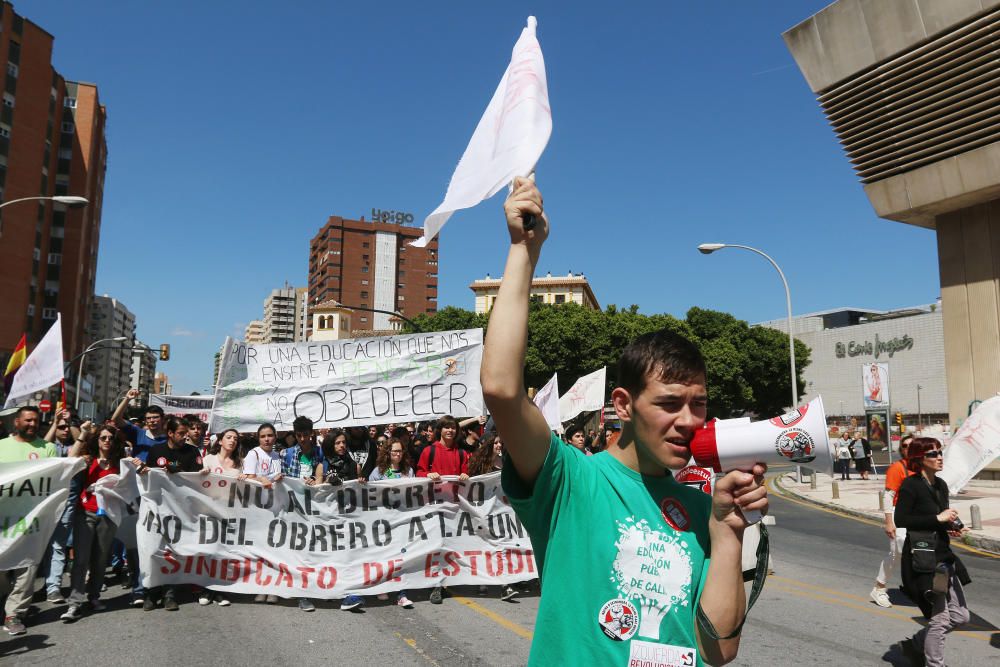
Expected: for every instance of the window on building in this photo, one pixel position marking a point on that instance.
(8, 100)
(401, 298)
(400, 286)
(364, 282)
(537, 298)
(560, 298)
(402, 273)
(65, 153)
(365, 258)
(14, 52)
(68, 128)
(13, 70)
(5, 132)
(364, 269)
(49, 313)
(364, 319)
(69, 102)
(364, 295)
(365, 244)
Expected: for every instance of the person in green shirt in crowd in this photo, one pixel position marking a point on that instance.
(627, 555)
(23, 445)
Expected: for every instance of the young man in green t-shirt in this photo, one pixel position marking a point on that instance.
(23, 445)
(626, 553)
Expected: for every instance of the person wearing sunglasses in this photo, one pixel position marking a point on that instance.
(933, 575)
(62, 434)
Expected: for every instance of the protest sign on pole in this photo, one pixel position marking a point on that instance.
(509, 139)
(32, 499)
(547, 400)
(976, 443)
(586, 395)
(200, 406)
(326, 541)
(43, 368)
(353, 382)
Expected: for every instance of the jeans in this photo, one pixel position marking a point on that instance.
(61, 541)
(134, 576)
(94, 535)
(950, 611)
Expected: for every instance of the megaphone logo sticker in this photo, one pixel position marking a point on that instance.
(792, 418)
(796, 445)
(619, 619)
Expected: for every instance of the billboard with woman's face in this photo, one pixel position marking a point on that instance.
(875, 384)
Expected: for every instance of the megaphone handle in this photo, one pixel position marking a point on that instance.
(752, 516)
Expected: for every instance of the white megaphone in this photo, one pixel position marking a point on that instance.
(797, 437)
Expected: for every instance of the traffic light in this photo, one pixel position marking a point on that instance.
(899, 419)
(165, 352)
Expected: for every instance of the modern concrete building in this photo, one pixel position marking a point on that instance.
(571, 288)
(843, 340)
(143, 370)
(910, 89)
(254, 333)
(111, 367)
(51, 143)
(285, 314)
(372, 265)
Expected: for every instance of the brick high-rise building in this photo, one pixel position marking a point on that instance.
(372, 265)
(51, 143)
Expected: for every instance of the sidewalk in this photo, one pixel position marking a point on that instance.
(861, 498)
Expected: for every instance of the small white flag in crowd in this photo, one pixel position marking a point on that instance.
(976, 443)
(586, 395)
(43, 368)
(547, 400)
(509, 139)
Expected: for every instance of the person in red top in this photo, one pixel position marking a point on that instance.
(93, 532)
(894, 476)
(444, 456)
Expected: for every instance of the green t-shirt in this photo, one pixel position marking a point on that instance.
(622, 558)
(13, 450)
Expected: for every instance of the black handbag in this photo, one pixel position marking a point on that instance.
(923, 550)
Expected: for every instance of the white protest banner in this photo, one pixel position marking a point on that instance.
(118, 496)
(547, 400)
(975, 444)
(32, 499)
(359, 381)
(201, 406)
(325, 541)
(586, 395)
(509, 139)
(43, 368)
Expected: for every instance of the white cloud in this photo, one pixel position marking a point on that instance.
(181, 331)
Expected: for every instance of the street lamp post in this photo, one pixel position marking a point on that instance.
(70, 200)
(385, 312)
(708, 249)
(90, 348)
(919, 415)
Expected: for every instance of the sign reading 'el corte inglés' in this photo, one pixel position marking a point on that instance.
(879, 347)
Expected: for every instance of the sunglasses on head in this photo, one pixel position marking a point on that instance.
(933, 454)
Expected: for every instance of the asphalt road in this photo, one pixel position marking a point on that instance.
(815, 611)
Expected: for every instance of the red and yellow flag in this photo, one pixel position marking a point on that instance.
(16, 361)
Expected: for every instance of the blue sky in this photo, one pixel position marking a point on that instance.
(236, 128)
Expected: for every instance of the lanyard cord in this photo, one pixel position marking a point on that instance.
(760, 575)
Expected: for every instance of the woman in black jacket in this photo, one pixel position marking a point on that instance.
(936, 585)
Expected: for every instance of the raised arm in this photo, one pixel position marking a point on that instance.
(521, 425)
(118, 416)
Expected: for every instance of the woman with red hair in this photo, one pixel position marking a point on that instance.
(933, 575)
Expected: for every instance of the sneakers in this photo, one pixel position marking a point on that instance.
(55, 597)
(260, 599)
(205, 598)
(382, 596)
(149, 604)
(305, 604)
(404, 602)
(436, 596)
(170, 604)
(271, 599)
(912, 652)
(352, 602)
(222, 600)
(97, 605)
(14, 626)
(508, 593)
(483, 589)
(880, 597)
(138, 601)
(72, 614)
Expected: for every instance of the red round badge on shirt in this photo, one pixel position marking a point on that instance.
(162, 462)
(32, 456)
(675, 514)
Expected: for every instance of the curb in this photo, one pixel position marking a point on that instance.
(990, 544)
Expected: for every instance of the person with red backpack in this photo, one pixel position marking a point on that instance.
(443, 457)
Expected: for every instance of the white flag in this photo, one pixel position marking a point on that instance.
(586, 395)
(975, 444)
(547, 400)
(43, 368)
(509, 139)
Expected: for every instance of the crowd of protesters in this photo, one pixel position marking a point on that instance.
(83, 545)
